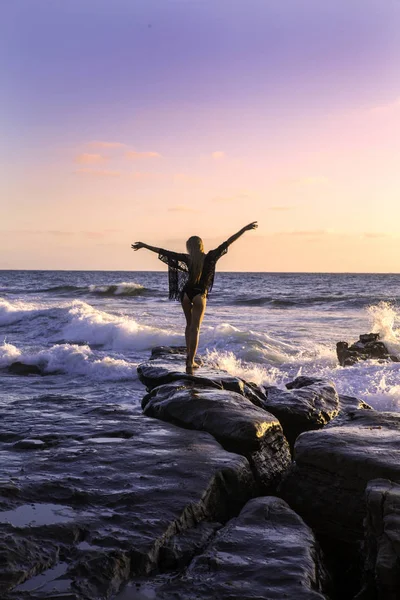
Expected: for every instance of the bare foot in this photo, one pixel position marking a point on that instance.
(193, 365)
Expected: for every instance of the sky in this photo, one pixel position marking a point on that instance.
(155, 120)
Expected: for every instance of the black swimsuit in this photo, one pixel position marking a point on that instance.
(179, 272)
(192, 290)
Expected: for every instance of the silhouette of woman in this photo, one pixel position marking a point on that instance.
(191, 277)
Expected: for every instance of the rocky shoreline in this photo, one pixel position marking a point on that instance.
(220, 489)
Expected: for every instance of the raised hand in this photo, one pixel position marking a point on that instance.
(137, 245)
(250, 226)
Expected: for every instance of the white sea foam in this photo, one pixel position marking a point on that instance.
(383, 317)
(99, 328)
(227, 361)
(125, 288)
(72, 360)
(12, 312)
(8, 354)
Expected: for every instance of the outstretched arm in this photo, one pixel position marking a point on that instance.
(139, 245)
(237, 235)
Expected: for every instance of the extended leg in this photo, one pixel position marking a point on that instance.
(187, 309)
(198, 309)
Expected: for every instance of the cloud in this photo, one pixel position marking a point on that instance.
(99, 144)
(134, 155)
(100, 172)
(182, 208)
(218, 155)
(89, 159)
(372, 235)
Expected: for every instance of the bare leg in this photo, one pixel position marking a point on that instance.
(198, 309)
(187, 309)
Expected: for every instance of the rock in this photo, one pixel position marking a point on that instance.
(267, 553)
(19, 368)
(105, 497)
(167, 365)
(21, 558)
(181, 548)
(332, 467)
(382, 540)
(233, 420)
(367, 347)
(307, 404)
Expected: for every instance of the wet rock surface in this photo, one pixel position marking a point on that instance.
(307, 404)
(382, 541)
(333, 466)
(19, 368)
(267, 553)
(233, 420)
(367, 347)
(90, 499)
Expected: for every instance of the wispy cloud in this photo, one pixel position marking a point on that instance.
(218, 155)
(372, 234)
(134, 155)
(182, 208)
(99, 172)
(89, 159)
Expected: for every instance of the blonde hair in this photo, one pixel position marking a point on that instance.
(195, 249)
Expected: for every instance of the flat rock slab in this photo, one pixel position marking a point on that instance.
(234, 421)
(333, 466)
(382, 539)
(307, 404)
(267, 553)
(167, 365)
(90, 498)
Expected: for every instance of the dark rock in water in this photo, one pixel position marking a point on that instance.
(367, 347)
(19, 368)
(233, 420)
(307, 404)
(104, 497)
(163, 351)
(332, 467)
(167, 365)
(267, 553)
(382, 541)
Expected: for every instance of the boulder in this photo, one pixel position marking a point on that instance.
(332, 467)
(19, 368)
(239, 425)
(306, 404)
(267, 553)
(167, 365)
(101, 501)
(382, 541)
(367, 347)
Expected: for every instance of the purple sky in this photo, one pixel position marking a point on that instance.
(187, 78)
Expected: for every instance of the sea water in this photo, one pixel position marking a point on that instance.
(88, 330)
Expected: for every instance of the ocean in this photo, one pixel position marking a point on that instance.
(89, 330)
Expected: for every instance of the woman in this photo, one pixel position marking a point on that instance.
(191, 277)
